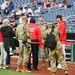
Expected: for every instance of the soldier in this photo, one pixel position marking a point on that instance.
(23, 32)
(49, 25)
(42, 27)
(57, 52)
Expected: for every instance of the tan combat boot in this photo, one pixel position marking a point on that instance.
(25, 70)
(44, 64)
(66, 72)
(18, 68)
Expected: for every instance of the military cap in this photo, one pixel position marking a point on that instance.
(40, 19)
(50, 24)
(24, 18)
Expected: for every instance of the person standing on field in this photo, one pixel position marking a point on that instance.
(23, 32)
(56, 52)
(42, 27)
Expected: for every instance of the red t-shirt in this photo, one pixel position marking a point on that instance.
(62, 29)
(1, 37)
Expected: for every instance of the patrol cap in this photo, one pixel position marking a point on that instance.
(50, 24)
(40, 19)
(24, 18)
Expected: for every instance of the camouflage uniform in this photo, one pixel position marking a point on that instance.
(43, 28)
(58, 51)
(22, 32)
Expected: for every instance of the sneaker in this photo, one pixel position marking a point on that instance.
(59, 66)
(0, 67)
(49, 68)
(4, 67)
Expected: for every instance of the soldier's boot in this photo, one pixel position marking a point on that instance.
(66, 72)
(53, 74)
(25, 69)
(44, 64)
(18, 68)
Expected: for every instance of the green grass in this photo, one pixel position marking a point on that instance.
(9, 72)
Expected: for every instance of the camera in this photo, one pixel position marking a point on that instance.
(26, 43)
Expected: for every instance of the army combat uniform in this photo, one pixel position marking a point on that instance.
(42, 48)
(23, 32)
(56, 52)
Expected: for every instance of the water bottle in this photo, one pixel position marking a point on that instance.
(11, 51)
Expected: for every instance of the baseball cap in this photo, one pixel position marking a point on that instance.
(58, 16)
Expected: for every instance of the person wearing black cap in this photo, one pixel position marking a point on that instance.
(62, 29)
(36, 36)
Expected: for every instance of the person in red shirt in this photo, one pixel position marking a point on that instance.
(36, 36)
(62, 29)
(3, 53)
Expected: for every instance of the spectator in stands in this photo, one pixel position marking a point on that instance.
(19, 15)
(0, 20)
(10, 5)
(6, 11)
(48, 4)
(60, 4)
(15, 16)
(3, 53)
(62, 29)
(57, 52)
(35, 37)
(36, 12)
(64, 1)
(27, 10)
(52, 4)
(3, 6)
